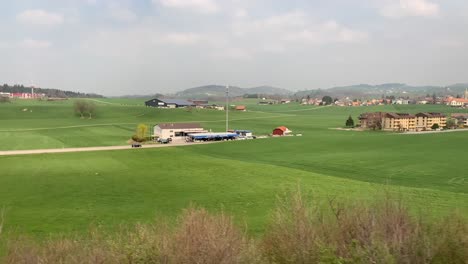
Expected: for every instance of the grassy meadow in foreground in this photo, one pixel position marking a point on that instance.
(61, 193)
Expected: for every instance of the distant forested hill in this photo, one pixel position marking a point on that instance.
(217, 91)
(48, 92)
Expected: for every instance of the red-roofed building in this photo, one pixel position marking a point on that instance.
(27, 95)
(240, 108)
(281, 131)
(457, 101)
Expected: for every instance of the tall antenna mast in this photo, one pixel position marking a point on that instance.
(227, 108)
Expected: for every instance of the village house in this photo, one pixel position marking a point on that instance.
(457, 102)
(401, 101)
(311, 101)
(176, 130)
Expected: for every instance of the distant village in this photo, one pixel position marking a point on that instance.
(459, 101)
(448, 100)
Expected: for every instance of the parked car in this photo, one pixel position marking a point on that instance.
(136, 145)
(164, 140)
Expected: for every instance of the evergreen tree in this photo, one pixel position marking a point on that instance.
(350, 122)
(327, 100)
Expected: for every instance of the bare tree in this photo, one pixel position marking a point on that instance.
(83, 107)
(80, 107)
(91, 109)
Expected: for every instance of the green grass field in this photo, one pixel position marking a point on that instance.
(60, 193)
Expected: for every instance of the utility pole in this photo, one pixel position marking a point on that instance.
(227, 108)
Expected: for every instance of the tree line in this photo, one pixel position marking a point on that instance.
(48, 92)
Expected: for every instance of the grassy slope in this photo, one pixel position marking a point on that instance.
(67, 192)
(54, 125)
(64, 192)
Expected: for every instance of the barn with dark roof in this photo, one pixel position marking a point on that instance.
(168, 103)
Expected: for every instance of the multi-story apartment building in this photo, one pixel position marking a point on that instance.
(371, 120)
(425, 121)
(401, 121)
(398, 122)
(461, 119)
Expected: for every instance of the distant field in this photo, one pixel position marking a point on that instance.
(55, 193)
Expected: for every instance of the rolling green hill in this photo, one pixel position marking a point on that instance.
(219, 91)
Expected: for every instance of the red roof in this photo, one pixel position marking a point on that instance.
(460, 100)
(282, 128)
(240, 107)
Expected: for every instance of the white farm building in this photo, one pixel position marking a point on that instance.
(177, 130)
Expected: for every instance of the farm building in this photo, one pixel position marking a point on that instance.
(168, 103)
(27, 95)
(241, 108)
(199, 102)
(176, 130)
(243, 133)
(281, 131)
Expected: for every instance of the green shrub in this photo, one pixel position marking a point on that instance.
(138, 139)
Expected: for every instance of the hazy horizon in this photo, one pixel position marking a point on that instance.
(163, 46)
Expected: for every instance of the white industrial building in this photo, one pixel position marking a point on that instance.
(176, 130)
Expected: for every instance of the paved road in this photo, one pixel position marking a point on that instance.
(435, 132)
(65, 150)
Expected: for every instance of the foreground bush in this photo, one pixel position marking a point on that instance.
(299, 232)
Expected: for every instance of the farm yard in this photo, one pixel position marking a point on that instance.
(68, 192)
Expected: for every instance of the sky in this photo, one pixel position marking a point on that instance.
(118, 47)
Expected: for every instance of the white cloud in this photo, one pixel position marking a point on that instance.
(122, 14)
(296, 28)
(328, 32)
(292, 19)
(240, 13)
(404, 8)
(231, 53)
(35, 44)
(181, 38)
(39, 17)
(203, 6)
(3, 44)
